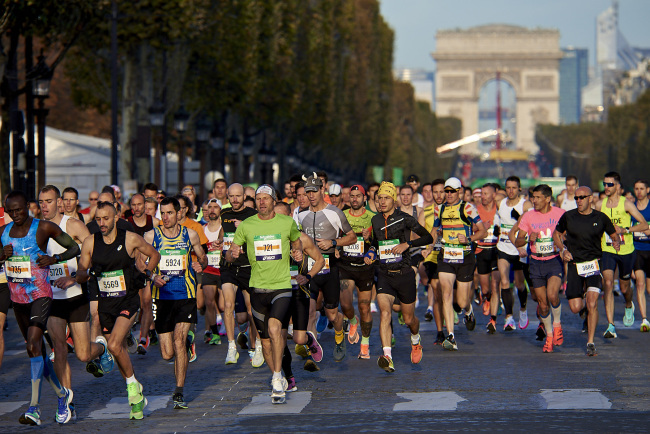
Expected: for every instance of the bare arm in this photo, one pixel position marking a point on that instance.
(198, 249)
(642, 224)
(85, 260)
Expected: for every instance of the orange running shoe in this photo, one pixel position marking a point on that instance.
(353, 334)
(491, 326)
(364, 352)
(416, 353)
(558, 336)
(548, 345)
(486, 307)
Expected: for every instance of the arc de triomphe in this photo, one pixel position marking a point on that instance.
(528, 59)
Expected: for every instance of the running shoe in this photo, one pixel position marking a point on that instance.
(450, 343)
(321, 324)
(302, 351)
(74, 413)
(501, 309)
(153, 337)
(417, 300)
(591, 350)
(456, 321)
(134, 393)
(179, 401)
(416, 353)
(51, 356)
(428, 316)
(628, 317)
(278, 394)
(373, 308)
(346, 325)
(207, 337)
(143, 345)
(392, 341)
(242, 340)
(31, 417)
(540, 334)
(645, 326)
(291, 385)
(491, 326)
(106, 359)
(191, 348)
(509, 325)
(558, 336)
(216, 340)
(93, 367)
(386, 363)
(585, 326)
(137, 410)
(311, 366)
(440, 338)
(477, 296)
(486, 307)
(523, 319)
(232, 356)
(548, 344)
(290, 332)
(400, 318)
(63, 412)
(222, 328)
(364, 351)
(353, 334)
(70, 343)
(470, 321)
(258, 357)
(131, 343)
(610, 333)
(339, 351)
(315, 349)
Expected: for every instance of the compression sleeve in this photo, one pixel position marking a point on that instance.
(72, 248)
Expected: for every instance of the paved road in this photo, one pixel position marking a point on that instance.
(494, 382)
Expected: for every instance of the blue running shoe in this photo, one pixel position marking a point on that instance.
(64, 412)
(106, 359)
(321, 324)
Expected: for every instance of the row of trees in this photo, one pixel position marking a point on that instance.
(307, 78)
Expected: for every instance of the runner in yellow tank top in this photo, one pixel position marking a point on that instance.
(619, 210)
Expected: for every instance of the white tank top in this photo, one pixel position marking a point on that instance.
(507, 222)
(211, 236)
(568, 204)
(64, 268)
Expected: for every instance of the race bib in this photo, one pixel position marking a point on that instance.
(355, 250)
(293, 270)
(173, 262)
(490, 236)
(608, 240)
(640, 236)
(112, 284)
(505, 230)
(453, 254)
(268, 247)
(18, 269)
(589, 268)
(214, 257)
(59, 270)
(326, 267)
(228, 238)
(385, 254)
(544, 247)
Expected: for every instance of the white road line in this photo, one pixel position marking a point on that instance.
(575, 399)
(261, 404)
(8, 407)
(118, 408)
(429, 401)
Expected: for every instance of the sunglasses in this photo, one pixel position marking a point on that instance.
(581, 197)
(608, 184)
(92, 199)
(451, 191)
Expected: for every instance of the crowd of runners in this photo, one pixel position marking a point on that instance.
(263, 267)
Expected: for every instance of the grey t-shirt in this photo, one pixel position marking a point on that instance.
(327, 224)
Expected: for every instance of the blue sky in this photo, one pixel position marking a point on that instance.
(416, 21)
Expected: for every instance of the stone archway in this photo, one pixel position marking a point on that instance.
(528, 59)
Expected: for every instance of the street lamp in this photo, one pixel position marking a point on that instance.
(181, 120)
(157, 120)
(203, 130)
(41, 78)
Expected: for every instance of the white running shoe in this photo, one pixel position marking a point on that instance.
(510, 324)
(232, 356)
(373, 307)
(523, 319)
(258, 357)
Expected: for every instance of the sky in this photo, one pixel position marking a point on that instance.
(416, 22)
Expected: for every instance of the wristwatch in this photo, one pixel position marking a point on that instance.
(57, 258)
(333, 243)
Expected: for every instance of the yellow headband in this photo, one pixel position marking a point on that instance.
(388, 188)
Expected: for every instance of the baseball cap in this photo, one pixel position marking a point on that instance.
(335, 189)
(453, 183)
(312, 183)
(265, 188)
(358, 187)
(413, 178)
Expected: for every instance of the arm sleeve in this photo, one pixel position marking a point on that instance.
(72, 248)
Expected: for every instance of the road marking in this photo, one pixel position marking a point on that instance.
(429, 401)
(14, 352)
(8, 407)
(261, 404)
(575, 399)
(118, 408)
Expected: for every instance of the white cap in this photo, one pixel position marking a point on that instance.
(335, 189)
(265, 188)
(453, 183)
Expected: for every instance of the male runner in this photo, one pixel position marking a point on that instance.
(546, 268)
(427, 195)
(5, 293)
(567, 201)
(434, 294)
(174, 288)
(108, 256)
(70, 303)
(220, 190)
(24, 243)
(642, 248)
(235, 277)
(269, 237)
(70, 203)
(461, 226)
(328, 227)
(211, 278)
(510, 209)
(486, 255)
(353, 272)
(620, 211)
(584, 228)
(391, 242)
(414, 182)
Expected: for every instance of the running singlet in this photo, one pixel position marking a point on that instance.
(621, 218)
(543, 248)
(354, 253)
(568, 204)
(144, 229)
(456, 220)
(430, 215)
(229, 217)
(214, 254)
(641, 240)
(176, 264)
(64, 268)
(507, 220)
(491, 221)
(268, 249)
(115, 265)
(27, 281)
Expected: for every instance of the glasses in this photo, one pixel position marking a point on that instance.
(608, 184)
(581, 197)
(451, 191)
(93, 199)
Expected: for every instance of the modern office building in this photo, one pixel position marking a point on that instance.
(573, 77)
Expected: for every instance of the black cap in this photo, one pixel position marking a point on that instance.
(413, 178)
